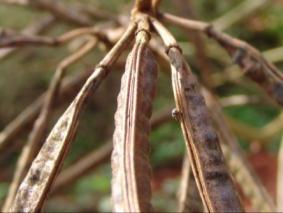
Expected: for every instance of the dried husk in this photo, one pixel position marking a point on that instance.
(131, 190)
(214, 182)
(34, 188)
(253, 64)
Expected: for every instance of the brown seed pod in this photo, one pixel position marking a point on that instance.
(34, 188)
(215, 186)
(254, 65)
(207, 160)
(131, 191)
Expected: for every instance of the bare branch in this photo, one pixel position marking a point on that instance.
(12, 39)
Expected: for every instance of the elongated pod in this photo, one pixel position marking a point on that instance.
(213, 180)
(131, 191)
(254, 65)
(42, 173)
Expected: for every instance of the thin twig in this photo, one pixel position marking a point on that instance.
(13, 39)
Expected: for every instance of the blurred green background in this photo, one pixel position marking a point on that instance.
(26, 74)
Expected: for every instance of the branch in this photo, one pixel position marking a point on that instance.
(12, 39)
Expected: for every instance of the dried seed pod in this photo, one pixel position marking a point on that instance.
(212, 177)
(131, 191)
(215, 186)
(254, 65)
(236, 161)
(34, 188)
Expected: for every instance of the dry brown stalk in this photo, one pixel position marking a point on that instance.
(254, 65)
(188, 196)
(131, 190)
(213, 180)
(88, 163)
(34, 188)
(236, 160)
(38, 132)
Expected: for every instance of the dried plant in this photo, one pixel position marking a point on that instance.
(213, 155)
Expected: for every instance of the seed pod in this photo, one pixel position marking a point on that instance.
(236, 161)
(131, 191)
(215, 186)
(253, 64)
(213, 180)
(35, 186)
